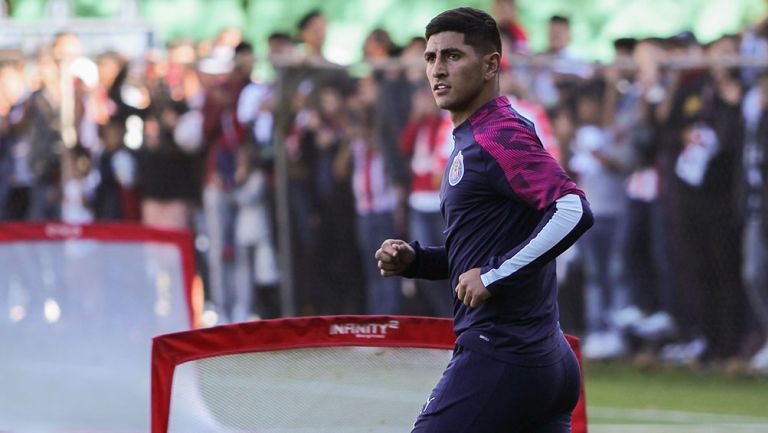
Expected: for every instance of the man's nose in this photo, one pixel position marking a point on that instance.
(438, 69)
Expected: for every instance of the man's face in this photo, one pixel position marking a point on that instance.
(559, 36)
(244, 61)
(108, 70)
(314, 33)
(279, 50)
(455, 71)
(504, 11)
(372, 49)
(67, 47)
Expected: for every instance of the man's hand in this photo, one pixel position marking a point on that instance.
(471, 290)
(394, 257)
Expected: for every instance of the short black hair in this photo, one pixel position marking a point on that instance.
(279, 36)
(244, 47)
(382, 37)
(559, 19)
(593, 89)
(308, 17)
(626, 44)
(417, 40)
(480, 29)
(683, 39)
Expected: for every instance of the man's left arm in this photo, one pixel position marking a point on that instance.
(534, 178)
(562, 224)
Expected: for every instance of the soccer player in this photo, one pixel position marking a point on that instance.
(509, 210)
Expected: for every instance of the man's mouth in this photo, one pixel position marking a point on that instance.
(440, 88)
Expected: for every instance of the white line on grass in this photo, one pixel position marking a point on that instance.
(671, 416)
(659, 428)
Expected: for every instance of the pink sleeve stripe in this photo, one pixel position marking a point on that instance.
(531, 172)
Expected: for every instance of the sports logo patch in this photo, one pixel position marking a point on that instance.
(457, 170)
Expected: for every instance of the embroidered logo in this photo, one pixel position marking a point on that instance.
(457, 170)
(364, 330)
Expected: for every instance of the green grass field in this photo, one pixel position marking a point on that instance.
(673, 399)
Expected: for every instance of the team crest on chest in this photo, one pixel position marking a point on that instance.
(457, 169)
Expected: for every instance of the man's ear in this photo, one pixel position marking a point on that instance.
(492, 63)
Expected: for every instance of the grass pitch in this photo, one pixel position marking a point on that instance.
(622, 397)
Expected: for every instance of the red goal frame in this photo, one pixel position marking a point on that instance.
(174, 349)
(122, 232)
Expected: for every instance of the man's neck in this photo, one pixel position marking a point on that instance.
(458, 117)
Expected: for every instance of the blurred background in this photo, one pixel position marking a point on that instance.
(598, 23)
(292, 137)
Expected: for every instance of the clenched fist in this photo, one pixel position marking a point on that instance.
(394, 257)
(471, 290)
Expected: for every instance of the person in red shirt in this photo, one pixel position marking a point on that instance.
(223, 135)
(505, 12)
(426, 141)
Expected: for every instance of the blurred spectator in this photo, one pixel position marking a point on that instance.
(755, 236)
(427, 142)
(704, 140)
(115, 196)
(563, 128)
(392, 107)
(754, 44)
(312, 32)
(255, 111)
(41, 124)
(77, 75)
(378, 47)
(76, 190)
(167, 162)
(222, 46)
(301, 84)
(223, 136)
(505, 13)
(412, 57)
(15, 175)
(256, 267)
(561, 65)
(109, 104)
(595, 159)
(280, 48)
(256, 254)
(229, 37)
(375, 199)
(259, 100)
(646, 270)
(324, 140)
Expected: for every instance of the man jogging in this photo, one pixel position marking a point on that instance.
(509, 210)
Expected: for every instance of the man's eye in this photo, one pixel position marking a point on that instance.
(453, 56)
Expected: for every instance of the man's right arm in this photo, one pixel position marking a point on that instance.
(411, 260)
(430, 263)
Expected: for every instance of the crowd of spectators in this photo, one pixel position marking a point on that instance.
(668, 141)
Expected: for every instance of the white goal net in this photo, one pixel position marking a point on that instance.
(79, 306)
(340, 374)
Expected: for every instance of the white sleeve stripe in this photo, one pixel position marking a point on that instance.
(568, 212)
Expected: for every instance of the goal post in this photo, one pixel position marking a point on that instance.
(79, 306)
(309, 374)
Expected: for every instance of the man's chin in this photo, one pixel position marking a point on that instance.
(444, 103)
